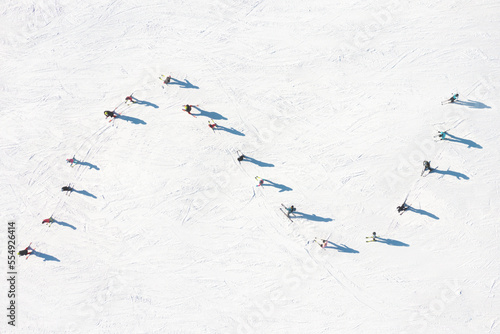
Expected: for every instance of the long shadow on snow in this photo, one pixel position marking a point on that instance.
(423, 212)
(182, 84)
(232, 130)
(473, 104)
(45, 257)
(209, 114)
(392, 242)
(277, 185)
(312, 217)
(467, 142)
(63, 224)
(85, 192)
(132, 120)
(88, 164)
(341, 248)
(257, 162)
(452, 173)
(146, 103)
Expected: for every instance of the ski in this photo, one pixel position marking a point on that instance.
(286, 215)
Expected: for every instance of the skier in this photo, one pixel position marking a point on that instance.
(48, 220)
(261, 181)
(427, 166)
(129, 98)
(453, 98)
(167, 80)
(373, 237)
(212, 124)
(290, 210)
(442, 135)
(109, 114)
(187, 108)
(66, 188)
(28, 250)
(241, 157)
(402, 208)
(323, 242)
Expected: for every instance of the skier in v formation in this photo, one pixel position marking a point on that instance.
(427, 166)
(212, 124)
(241, 156)
(290, 210)
(27, 251)
(66, 188)
(402, 208)
(130, 98)
(451, 99)
(110, 114)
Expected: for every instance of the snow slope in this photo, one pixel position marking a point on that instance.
(335, 102)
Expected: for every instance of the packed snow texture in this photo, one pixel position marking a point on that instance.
(335, 104)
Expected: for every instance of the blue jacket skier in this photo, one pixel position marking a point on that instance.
(290, 210)
(453, 98)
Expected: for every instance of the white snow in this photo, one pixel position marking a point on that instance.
(337, 102)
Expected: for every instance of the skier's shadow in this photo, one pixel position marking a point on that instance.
(63, 223)
(257, 162)
(45, 257)
(85, 192)
(312, 217)
(392, 242)
(452, 173)
(467, 142)
(473, 104)
(88, 164)
(281, 187)
(209, 114)
(182, 84)
(132, 120)
(422, 212)
(145, 103)
(231, 131)
(341, 248)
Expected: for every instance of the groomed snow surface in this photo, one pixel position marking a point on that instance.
(335, 102)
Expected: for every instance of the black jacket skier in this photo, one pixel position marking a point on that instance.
(427, 166)
(403, 207)
(109, 113)
(25, 251)
(66, 188)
